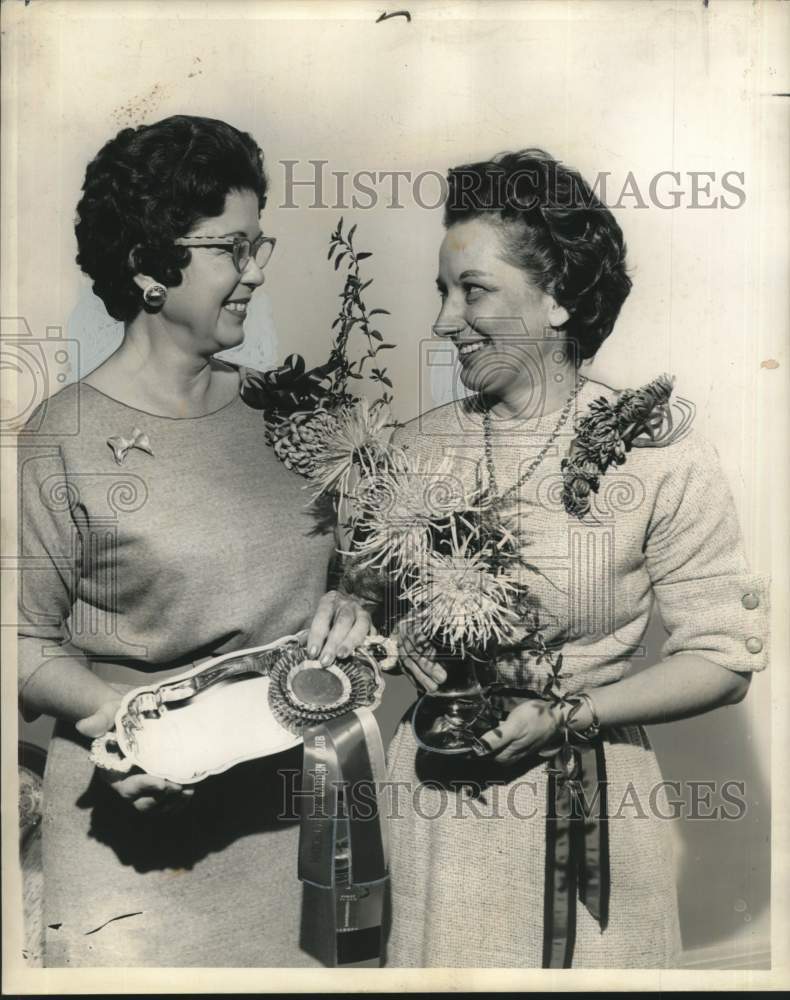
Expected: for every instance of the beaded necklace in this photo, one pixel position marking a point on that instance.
(498, 500)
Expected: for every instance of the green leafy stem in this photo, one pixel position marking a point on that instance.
(355, 314)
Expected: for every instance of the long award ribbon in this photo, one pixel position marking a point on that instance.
(577, 854)
(342, 841)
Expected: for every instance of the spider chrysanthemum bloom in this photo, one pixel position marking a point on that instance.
(359, 441)
(638, 405)
(398, 512)
(459, 601)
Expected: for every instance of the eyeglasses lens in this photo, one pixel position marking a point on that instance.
(263, 253)
(243, 252)
(241, 255)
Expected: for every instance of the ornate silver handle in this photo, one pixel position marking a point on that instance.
(151, 703)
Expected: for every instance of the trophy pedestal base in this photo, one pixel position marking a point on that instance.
(453, 723)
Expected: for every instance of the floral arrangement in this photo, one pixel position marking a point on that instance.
(455, 566)
(430, 549)
(435, 554)
(302, 408)
(419, 544)
(439, 555)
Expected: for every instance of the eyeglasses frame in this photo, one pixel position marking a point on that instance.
(231, 241)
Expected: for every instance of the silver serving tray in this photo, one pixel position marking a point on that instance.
(220, 713)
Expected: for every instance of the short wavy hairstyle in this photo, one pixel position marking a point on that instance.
(556, 229)
(150, 185)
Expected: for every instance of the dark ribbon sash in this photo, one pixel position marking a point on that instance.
(577, 854)
(342, 840)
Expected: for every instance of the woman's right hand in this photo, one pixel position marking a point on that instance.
(416, 657)
(142, 791)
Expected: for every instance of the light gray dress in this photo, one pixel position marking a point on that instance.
(468, 875)
(201, 549)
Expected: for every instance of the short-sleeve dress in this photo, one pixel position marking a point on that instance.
(469, 872)
(204, 547)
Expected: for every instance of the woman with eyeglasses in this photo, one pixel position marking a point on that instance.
(161, 533)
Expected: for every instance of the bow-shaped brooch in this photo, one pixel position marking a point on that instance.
(121, 445)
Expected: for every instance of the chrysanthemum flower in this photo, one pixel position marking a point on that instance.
(458, 600)
(360, 441)
(398, 511)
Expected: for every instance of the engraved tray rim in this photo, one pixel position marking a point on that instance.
(290, 740)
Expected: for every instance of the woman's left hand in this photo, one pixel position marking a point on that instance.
(529, 727)
(340, 624)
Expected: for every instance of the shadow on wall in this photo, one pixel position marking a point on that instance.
(724, 867)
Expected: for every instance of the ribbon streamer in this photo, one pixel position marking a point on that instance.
(577, 855)
(342, 846)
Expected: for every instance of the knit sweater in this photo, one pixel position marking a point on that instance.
(468, 874)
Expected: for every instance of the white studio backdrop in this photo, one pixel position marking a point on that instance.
(623, 88)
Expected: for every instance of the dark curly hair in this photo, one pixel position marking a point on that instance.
(554, 228)
(150, 185)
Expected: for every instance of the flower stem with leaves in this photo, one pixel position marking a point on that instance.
(354, 313)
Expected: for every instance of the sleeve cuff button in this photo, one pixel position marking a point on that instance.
(753, 644)
(750, 601)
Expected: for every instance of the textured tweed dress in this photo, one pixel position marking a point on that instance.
(202, 548)
(468, 873)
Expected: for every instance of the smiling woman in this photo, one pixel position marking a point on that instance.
(168, 243)
(165, 532)
(567, 246)
(493, 316)
(209, 305)
(541, 871)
